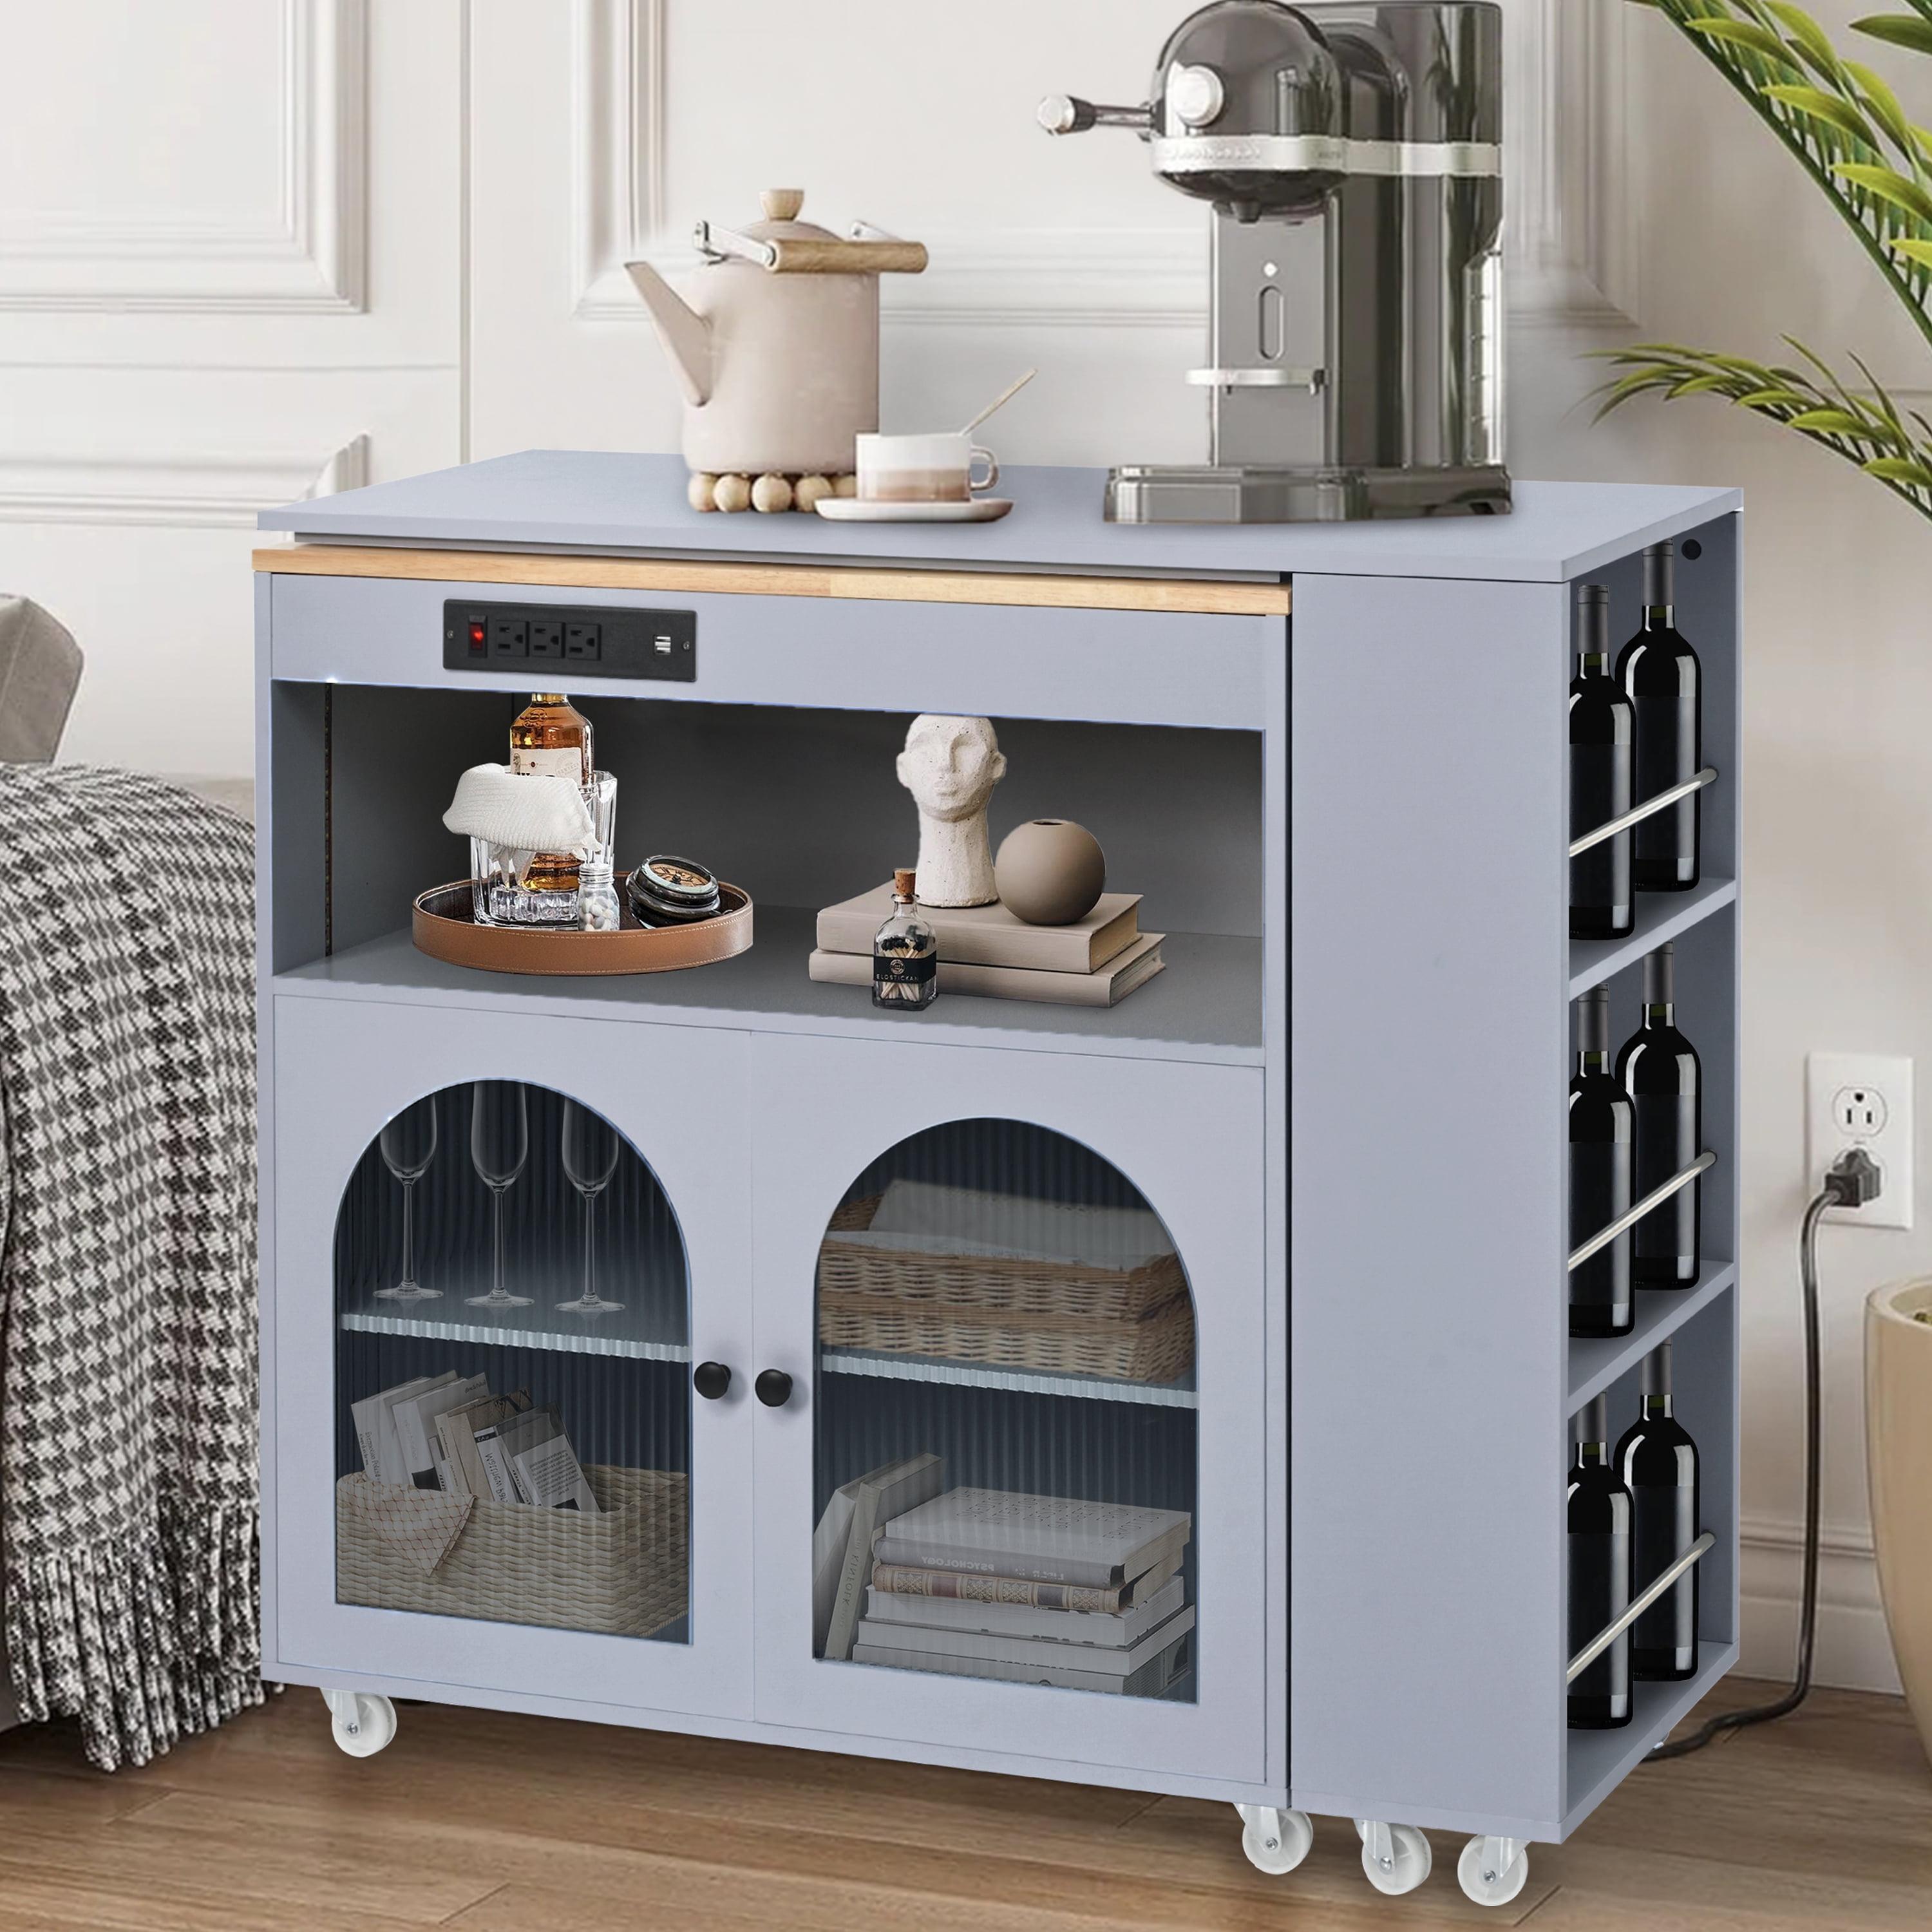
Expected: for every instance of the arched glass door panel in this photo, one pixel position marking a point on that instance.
(513, 1393)
(1004, 1436)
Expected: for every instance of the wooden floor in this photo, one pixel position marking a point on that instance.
(501, 1824)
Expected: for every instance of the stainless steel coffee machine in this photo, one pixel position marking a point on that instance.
(1352, 156)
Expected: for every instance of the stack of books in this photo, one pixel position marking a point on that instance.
(1096, 962)
(1087, 1596)
(449, 1432)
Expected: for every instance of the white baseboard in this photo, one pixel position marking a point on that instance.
(1854, 1652)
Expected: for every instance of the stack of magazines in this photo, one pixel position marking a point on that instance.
(1088, 1596)
(449, 1432)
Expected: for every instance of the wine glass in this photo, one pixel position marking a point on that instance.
(409, 1145)
(499, 1147)
(589, 1159)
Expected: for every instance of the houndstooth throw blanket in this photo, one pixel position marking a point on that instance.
(128, 1567)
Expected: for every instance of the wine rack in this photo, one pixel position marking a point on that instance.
(1332, 759)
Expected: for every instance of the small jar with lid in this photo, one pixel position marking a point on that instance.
(666, 890)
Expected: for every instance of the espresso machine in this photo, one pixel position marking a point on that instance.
(1351, 155)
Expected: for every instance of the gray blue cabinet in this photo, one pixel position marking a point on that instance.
(1332, 760)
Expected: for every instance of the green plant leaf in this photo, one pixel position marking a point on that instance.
(1914, 250)
(1899, 470)
(1746, 34)
(1888, 184)
(1902, 30)
(1842, 422)
(1823, 106)
(1882, 102)
(1886, 405)
(1774, 399)
(1811, 37)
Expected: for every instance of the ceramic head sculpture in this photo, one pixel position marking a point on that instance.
(950, 766)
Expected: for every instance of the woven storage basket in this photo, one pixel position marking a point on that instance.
(1156, 1348)
(1072, 1289)
(626, 1572)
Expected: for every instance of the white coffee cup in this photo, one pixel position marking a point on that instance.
(935, 468)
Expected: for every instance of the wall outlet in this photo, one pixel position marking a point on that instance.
(1861, 1099)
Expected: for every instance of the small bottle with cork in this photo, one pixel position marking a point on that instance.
(905, 952)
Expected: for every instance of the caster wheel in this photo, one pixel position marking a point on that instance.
(1491, 1871)
(360, 1722)
(1399, 1865)
(1275, 1841)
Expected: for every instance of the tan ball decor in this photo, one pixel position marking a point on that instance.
(1050, 871)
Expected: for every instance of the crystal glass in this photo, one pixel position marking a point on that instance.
(589, 1149)
(501, 893)
(499, 1149)
(409, 1145)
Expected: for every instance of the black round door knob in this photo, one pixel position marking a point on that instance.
(711, 1379)
(773, 1388)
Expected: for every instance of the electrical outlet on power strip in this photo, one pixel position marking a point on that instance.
(1864, 1100)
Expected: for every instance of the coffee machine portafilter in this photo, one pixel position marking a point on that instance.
(1352, 157)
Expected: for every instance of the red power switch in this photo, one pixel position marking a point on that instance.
(477, 647)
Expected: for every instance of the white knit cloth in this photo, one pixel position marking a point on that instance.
(528, 811)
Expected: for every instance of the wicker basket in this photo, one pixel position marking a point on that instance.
(1074, 1290)
(626, 1571)
(1156, 1348)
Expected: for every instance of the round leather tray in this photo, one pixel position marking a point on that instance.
(442, 926)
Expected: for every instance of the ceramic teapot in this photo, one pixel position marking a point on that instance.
(775, 340)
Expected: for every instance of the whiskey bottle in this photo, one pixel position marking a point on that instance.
(905, 953)
(551, 738)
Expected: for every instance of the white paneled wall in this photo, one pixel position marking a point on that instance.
(252, 247)
(230, 273)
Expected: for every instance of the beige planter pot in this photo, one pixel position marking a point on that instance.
(1898, 1452)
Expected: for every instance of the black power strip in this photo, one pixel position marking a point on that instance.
(594, 640)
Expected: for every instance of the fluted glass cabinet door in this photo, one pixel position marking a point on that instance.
(1013, 1489)
(502, 1246)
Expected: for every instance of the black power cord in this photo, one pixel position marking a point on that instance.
(1851, 1180)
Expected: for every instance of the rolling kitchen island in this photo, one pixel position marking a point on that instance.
(1332, 761)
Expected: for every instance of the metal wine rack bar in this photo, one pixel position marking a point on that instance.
(1611, 827)
(1638, 1604)
(1656, 1197)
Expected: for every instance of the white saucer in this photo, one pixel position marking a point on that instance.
(853, 510)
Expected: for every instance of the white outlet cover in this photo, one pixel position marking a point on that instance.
(1861, 1099)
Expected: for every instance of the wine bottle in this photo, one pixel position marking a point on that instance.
(1602, 735)
(1656, 1462)
(1601, 1128)
(1658, 1068)
(1659, 674)
(1600, 1573)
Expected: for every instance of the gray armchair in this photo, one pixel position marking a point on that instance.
(40, 670)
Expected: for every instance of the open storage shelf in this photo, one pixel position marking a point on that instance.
(1599, 1761)
(1659, 917)
(1596, 1363)
(1702, 1325)
(1207, 1005)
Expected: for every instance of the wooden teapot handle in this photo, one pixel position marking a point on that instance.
(807, 256)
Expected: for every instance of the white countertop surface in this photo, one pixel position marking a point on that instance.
(600, 501)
